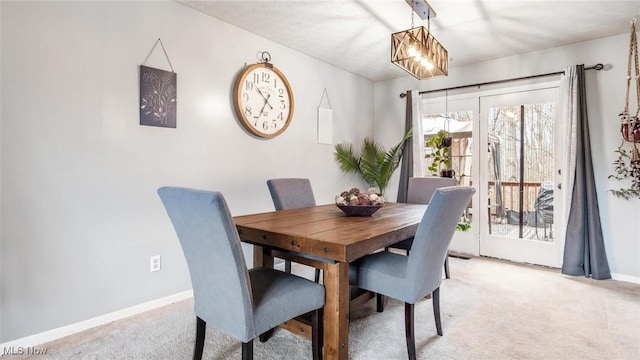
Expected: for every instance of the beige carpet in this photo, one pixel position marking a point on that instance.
(491, 309)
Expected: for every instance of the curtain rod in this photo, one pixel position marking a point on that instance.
(594, 67)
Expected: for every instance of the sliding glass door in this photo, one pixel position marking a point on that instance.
(504, 143)
(520, 177)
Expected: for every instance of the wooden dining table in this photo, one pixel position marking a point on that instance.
(325, 238)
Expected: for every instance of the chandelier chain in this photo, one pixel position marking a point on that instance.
(412, 12)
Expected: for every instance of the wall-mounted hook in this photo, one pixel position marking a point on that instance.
(266, 57)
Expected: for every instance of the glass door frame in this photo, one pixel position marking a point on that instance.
(547, 253)
(465, 242)
(473, 243)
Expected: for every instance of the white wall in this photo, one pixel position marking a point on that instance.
(606, 90)
(80, 214)
(1, 181)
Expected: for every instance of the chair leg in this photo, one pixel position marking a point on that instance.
(247, 350)
(446, 267)
(317, 275)
(266, 335)
(379, 302)
(409, 333)
(317, 333)
(201, 327)
(436, 310)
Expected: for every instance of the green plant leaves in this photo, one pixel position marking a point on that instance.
(440, 155)
(463, 226)
(374, 163)
(345, 158)
(625, 168)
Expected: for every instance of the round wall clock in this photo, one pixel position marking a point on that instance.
(263, 100)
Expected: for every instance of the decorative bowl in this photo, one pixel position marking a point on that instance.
(359, 210)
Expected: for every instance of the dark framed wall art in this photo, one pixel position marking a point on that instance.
(158, 92)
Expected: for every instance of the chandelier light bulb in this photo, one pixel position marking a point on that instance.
(412, 51)
(429, 66)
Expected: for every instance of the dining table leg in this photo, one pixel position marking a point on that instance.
(262, 257)
(336, 311)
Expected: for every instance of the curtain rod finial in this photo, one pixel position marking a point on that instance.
(403, 95)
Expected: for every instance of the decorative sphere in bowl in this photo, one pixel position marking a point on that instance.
(357, 203)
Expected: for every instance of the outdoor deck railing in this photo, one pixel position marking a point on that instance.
(511, 196)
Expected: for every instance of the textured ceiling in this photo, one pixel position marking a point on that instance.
(354, 35)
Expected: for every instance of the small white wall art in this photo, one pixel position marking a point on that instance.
(325, 121)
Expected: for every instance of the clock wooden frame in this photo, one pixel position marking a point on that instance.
(247, 117)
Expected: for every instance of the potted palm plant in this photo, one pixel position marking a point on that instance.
(373, 162)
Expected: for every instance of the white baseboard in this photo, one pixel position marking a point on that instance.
(626, 278)
(67, 330)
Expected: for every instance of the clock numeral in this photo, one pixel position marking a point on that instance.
(280, 116)
(245, 97)
(282, 105)
(265, 124)
(248, 85)
(275, 83)
(261, 77)
(281, 92)
(247, 111)
(257, 117)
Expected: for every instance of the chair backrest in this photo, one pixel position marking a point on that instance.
(421, 189)
(291, 193)
(211, 246)
(432, 239)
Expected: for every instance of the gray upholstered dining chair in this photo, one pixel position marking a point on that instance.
(239, 302)
(292, 193)
(419, 191)
(410, 278)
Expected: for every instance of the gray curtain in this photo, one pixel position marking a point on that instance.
(406, 168)
(584, 252)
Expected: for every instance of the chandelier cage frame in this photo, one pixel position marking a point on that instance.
(417, 51)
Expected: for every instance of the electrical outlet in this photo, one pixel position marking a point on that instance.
(154, 263)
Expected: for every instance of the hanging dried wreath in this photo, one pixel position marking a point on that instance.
(627, 165)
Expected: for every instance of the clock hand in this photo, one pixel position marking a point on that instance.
(266, 98)
(262, 110)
